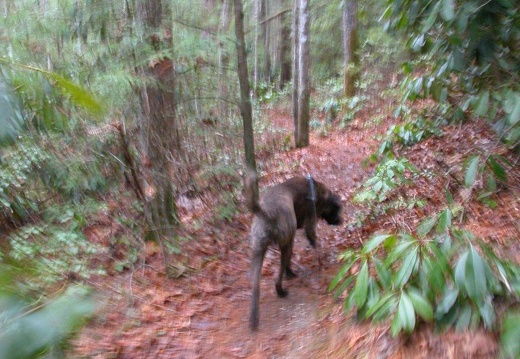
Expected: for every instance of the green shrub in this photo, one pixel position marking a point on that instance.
(446, 277)
(17, 173)
(30, 331)
(56, 249)
(510, 337)
(408, 133)
(389, 174)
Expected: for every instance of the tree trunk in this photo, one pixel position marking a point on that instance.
(245, 101)
(223, 56)
(285, 57)
(350, 46)
(257, 4)
(296, 66)
(264, 13)
(159, 135)
(301, 81)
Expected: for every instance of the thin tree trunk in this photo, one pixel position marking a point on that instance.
(350, 46)
(285, 57)
(296, 66)
(245, 101)
(301, 97)
(304, 80)
(257, 4)
(264, 13)
(223, 58)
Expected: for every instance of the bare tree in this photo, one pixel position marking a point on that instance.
(301, 80)
(350, 46)
(264, 13)
(295, 65)
(257, 4)
(223, 55)
(285, 46)
(245, 101)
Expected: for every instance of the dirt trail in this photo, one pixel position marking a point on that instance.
(288, 326)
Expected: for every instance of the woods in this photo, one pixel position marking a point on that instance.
(126, 128)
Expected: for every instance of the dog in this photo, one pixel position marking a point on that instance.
(295, 203)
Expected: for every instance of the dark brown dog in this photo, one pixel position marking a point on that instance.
(295, 203)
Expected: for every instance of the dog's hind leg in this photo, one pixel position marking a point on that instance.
(257, 261)
(289, 274)
(285, 262)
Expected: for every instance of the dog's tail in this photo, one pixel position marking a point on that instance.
(251, 192)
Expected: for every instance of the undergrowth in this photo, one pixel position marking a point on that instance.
(440, 274)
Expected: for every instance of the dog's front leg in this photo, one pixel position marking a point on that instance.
(310, 231)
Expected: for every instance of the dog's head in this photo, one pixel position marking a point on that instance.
(331, 209)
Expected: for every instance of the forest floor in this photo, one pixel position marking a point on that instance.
(204, 312)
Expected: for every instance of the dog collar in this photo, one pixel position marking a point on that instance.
(312, 195)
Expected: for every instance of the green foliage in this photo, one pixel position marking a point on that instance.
(408, 133)
(74, 176)
(441, 277)
(33, 170)
(17, 198)
(57, 249)
(471, 172)
(40, 95)
(330, 108)
(380, 48)
(388, 175)
(465, 58)
(510, 337)
(491, 173)
(350, 107)
(325, 26)
(36, 99)
(471, 48)
(31, 331)
(329, 102)
(267, 93)
(51, 240)
(11, 118)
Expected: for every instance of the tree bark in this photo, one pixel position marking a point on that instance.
(223, 56)
(301, 59)
(245, 101)
(350, 46)
(159, 135)
(285, 57)
(296, 66)
(264, 13)
(257, 4)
